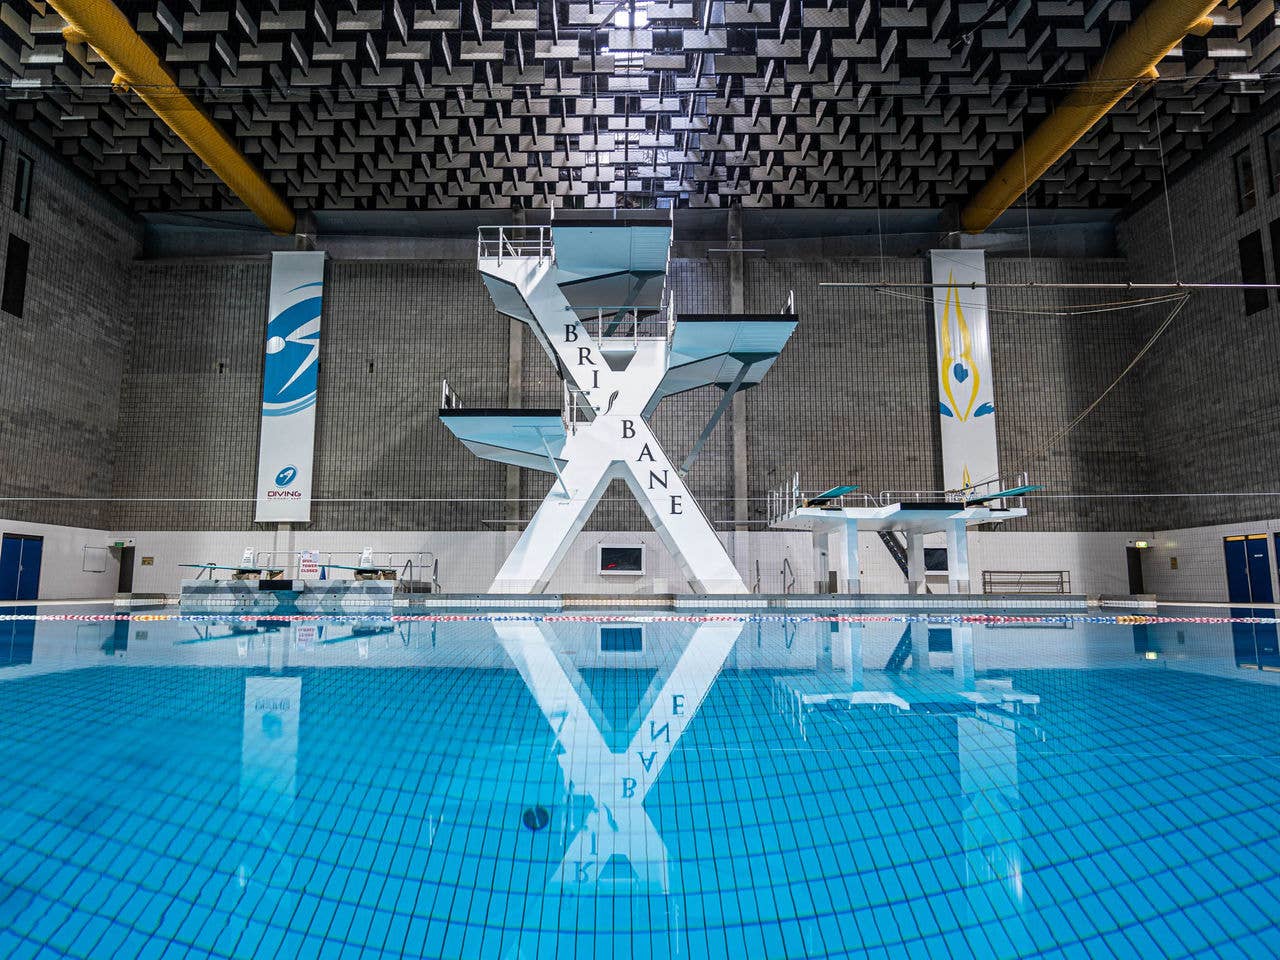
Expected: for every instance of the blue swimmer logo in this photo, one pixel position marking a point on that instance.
(286, 476)
(290, 375)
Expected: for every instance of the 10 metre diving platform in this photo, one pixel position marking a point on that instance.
(593, 292)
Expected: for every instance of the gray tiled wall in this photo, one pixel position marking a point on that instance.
(140, 380)
(1210, 383)
(64, 359)
(851, 399)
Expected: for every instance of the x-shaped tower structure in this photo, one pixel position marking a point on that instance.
(594, 294)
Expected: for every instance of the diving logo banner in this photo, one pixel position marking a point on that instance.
(289, 380)
(966, 399)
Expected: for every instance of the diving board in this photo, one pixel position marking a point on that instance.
(1005, 494)
(831, 496)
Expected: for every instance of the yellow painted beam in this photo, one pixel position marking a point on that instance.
(101, 25)
(1133, 57)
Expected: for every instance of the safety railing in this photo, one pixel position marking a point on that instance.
(1026, 581)
(790, 497)
(630, 325)
(572, 411)
(290, 560)
(449, 400)
(502, 243)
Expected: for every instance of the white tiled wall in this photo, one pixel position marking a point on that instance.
(1201, 572)
(469, 561)
(62, 564)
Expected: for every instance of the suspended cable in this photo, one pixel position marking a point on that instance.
(1053, 441)
(1082, 310)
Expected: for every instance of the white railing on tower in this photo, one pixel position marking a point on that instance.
(448, 399)
(501, 243)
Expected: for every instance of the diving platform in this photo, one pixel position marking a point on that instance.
(524, 438)
(592, 289)
(838, 515)
(730, 351)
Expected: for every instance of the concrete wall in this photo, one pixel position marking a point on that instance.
(64, 359)
(1212, 397)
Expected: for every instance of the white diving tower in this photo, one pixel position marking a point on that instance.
(592, 291)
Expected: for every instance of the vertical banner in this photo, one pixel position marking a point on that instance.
(289, 380)
(966, 400)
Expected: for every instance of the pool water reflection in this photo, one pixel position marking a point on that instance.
(654, 788)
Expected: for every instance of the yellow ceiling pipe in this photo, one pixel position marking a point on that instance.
(101, 25)
(1160, 28)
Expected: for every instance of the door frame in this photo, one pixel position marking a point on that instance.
(21, 539)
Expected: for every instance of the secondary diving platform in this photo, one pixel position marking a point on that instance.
(836, 517)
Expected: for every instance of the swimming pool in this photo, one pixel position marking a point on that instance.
(643, 787)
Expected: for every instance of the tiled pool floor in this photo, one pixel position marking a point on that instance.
(663, 789)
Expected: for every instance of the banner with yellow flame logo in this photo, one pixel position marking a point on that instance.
(966, 400)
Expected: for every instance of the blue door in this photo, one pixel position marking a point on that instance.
(20, 566)
(1259, 568)
(1237, 570)
(1257, 646)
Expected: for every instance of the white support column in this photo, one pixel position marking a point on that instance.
(962, 656)
(846, 652)
(915, 562)
(843, 546)
(958, 557)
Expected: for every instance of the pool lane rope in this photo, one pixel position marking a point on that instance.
(978, 618)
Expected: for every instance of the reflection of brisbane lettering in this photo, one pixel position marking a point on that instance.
(594, 294)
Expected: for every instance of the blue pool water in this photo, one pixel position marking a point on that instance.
(654, 789)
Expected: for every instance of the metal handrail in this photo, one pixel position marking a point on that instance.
(630, 326)
(788, 571)
(500, 243)
(962, 496)
(449, 399)
(264, 558)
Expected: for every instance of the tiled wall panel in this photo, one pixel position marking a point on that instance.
(64, 358)
(1212, 396)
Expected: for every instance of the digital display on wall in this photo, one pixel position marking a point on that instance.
(621, 560)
